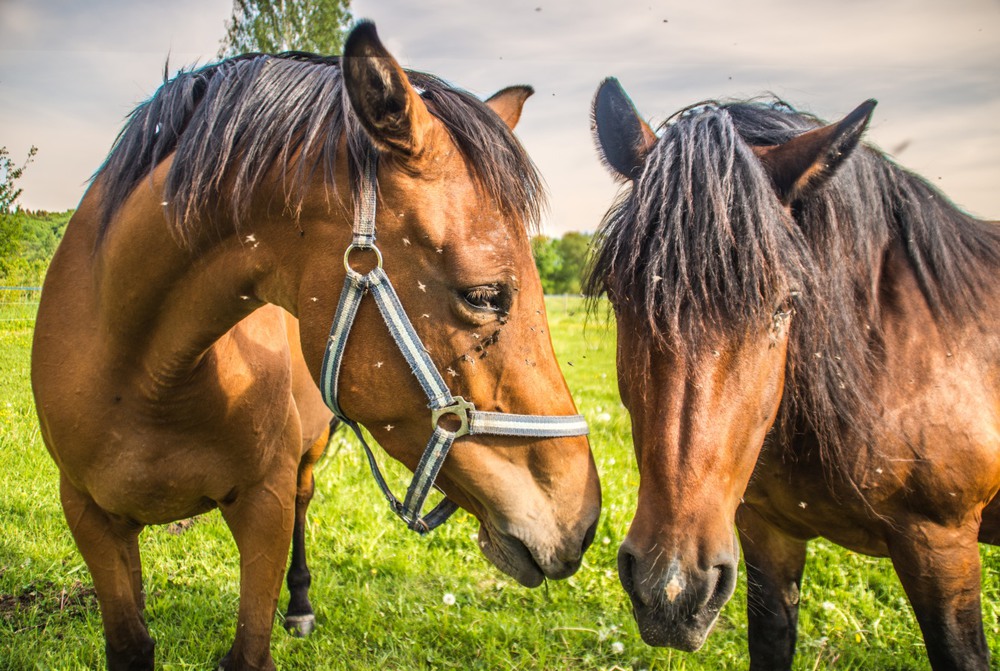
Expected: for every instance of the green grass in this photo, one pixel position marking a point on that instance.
(378, 589)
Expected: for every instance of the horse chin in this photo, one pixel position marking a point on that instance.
(682, 619)
(664, 632)
(510, 555)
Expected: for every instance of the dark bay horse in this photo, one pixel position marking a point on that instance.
(171, 377)
(808, 344)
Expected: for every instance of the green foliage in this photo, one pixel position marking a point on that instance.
(27, 242)
(10, 238)
(378, 589)
(9, 174)
(547, 260)
(273, 26)
(561, 261)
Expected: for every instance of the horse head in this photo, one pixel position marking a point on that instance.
(704, 266)
(455, 196)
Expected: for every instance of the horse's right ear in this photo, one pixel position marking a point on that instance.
(388, 107)
(508, 102)
(805, 162)
(623, 139)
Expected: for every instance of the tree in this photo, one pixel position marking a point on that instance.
(27, 242)
(11, 229)
(573, 248)
(273, 26)
(547, 260)
(560, 262)
(9, 174)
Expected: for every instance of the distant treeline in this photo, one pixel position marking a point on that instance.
(561, 261)
(27, 242)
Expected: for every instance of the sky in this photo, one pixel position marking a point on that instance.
(71, 71)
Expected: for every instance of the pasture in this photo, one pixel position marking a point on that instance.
(388, 599)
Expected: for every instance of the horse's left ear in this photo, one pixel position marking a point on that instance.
(804, 163)
(388, 107)
(623, 138)
(507, 103)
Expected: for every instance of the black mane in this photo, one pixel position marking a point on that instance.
(700, 246)
(229, 124)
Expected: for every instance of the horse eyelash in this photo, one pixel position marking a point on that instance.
(484, 296)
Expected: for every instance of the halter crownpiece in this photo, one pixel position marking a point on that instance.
(441, 401)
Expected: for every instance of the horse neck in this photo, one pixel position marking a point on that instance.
(166, 306)
(909, 321)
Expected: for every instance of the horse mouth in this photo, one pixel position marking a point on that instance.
(684, 625)
(510, 555)
(664, 632)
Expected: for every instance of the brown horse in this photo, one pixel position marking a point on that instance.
(169, 381)
(765, 266)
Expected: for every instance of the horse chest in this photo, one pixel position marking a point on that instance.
(155, 474)
(170, 458)
(795, 497)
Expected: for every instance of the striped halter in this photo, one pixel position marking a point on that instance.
(442, 403)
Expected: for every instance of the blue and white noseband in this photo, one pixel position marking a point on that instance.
(442, 403)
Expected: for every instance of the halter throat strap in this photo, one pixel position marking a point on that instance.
(440, 399)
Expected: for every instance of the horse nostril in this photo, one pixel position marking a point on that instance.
(725, 584)
(626, 568)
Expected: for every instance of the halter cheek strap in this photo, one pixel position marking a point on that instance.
(441, 401)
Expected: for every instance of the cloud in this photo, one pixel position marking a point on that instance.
(70, 72)
(141, 26)
(931, 66)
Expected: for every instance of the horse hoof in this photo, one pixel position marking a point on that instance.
(300, 625)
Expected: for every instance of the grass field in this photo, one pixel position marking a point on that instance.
(379, 590)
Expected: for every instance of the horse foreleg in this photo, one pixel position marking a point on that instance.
(261, 520)
(299, 618)
(110, 547)
(774, 564)
(940, 571)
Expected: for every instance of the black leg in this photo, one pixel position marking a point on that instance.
(299, 618)
(774, 564)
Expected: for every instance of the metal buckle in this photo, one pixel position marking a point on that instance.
(460, 408)
(351, 247)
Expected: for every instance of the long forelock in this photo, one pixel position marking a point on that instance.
(699, 244)
(701, 247)
(718, 262)
(229, 125)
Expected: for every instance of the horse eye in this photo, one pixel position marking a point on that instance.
(488, 297)
(785, 310)
(787, 305)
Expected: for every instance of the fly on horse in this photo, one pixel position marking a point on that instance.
(808, 344)
(187, 314)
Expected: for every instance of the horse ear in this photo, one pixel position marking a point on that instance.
(804, 163)
(623, 139)
(507, 103)
(388, 107)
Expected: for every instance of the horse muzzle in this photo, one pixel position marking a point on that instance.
(528, 562)
(678, 607)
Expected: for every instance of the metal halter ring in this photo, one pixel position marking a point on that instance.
(351, 247)
(460, 408)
